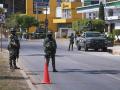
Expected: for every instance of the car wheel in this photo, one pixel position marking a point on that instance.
(85, 48)
(96, 49)
(105, 49)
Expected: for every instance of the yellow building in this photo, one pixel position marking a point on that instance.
(56, 20)
(41, 17)
(69, 14)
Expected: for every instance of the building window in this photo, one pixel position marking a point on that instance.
(67, 13)
(58, 3)
(38, 6)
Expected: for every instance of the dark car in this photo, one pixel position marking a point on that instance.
(39, 33)
(92, 40)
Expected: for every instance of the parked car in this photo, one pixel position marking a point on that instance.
(39, 33)
(92, 40)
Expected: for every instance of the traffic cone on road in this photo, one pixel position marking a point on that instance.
(46, 79)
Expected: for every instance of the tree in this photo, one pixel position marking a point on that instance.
(98, 25)
(101, 11)
(27, 21)
(16, 20)
(82, 25)
(116, 33)
(1, 10)
(79, 25)
(11, 21)
(75, 25)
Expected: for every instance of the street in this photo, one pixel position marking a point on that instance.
(77, 70)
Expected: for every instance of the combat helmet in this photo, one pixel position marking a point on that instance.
(49, 34)
(12, 30)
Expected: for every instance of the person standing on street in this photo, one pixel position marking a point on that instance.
(50, 47)
(71, 42)
(13, 48)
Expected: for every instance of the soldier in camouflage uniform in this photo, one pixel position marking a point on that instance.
(13, 47)
(50, 50)
(71, 42)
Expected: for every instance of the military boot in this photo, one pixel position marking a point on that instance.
(15, 66)
(53, 64)
(54, 70)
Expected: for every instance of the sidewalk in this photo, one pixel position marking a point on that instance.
(10, 80)
(115, 50)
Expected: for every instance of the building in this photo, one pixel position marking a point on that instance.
(14, 6)
(60, 13)
(112, 14)
(65, 15)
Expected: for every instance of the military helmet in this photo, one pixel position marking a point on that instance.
(49, 34)
(12, 30)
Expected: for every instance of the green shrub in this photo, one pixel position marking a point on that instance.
(111, 36)
(116, 32)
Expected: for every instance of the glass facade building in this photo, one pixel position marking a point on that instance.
(14, 6)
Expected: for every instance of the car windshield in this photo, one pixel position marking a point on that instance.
(93, 34)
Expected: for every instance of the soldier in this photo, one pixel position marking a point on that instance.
(13, 47)
(50, 49)
(71, 42)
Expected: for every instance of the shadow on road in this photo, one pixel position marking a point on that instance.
(33, 55)
(42, 55)
(91, 71)
(78, 71)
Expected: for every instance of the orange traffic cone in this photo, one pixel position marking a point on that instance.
(46, 79)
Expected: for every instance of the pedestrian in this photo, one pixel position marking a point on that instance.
(71, 42)
(50, 49)
(13, 48)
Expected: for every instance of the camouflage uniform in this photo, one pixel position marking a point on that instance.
(71, 42)
(50, 52)
(13, 47)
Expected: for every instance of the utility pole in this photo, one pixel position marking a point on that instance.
(36, 10)
(13, 6)
(105, 10)
(83, 2)
(1, 37)
(46, 20)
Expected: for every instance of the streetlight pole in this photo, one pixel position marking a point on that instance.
(46, 21)
(1, 37)
(36, 10)
(83, 3)
(13, 6)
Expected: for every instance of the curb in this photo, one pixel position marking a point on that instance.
(114, 52)
(30, 85)
(27, 80)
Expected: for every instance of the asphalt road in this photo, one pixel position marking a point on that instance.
(78, 70)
